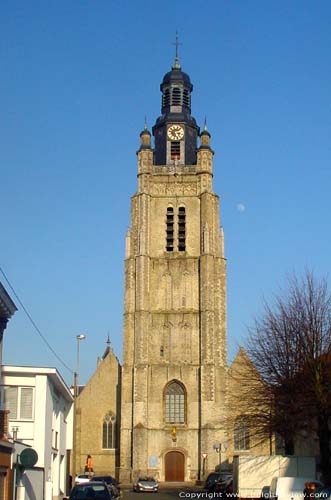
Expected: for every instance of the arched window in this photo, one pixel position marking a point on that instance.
(175, 403)
(109, 431)
(241, 433)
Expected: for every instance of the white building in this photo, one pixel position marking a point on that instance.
(39, 402)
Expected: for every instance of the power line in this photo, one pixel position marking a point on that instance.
(33, 323)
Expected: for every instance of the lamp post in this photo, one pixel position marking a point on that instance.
(74, 438)
(204, 456)
(78, 338)
(218, 448)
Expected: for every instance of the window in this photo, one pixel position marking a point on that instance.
(170, 230)
(181, 229)
(10, 401)
(241, 434)
(166, 98)
(175, 150)
(186, 98)
(26, 403)
(19, 402)
(176, 96)
(174, 403)
(109, 431)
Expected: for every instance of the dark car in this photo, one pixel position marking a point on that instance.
(215, 477)
(93, 490)
(224, 487)
(111, 482)
(323, 493)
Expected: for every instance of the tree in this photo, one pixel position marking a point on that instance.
(290, 349)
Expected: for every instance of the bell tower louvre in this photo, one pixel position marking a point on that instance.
(174, 340)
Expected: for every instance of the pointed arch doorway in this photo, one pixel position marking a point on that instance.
(174, 466)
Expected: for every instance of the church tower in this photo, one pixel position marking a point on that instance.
(174, 353)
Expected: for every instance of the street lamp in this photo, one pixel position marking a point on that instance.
(78, 338)
(218, 448)
(204, 456)
(74, 440)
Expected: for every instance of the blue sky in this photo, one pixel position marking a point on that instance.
(76, 81)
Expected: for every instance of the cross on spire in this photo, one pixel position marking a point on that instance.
(177, 43)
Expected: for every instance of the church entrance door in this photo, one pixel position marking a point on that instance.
(174, 466)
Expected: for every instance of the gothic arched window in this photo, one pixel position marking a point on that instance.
(241, 433)
(109, 431)
(175, 403)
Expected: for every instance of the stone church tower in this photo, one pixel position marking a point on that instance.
(174, 353)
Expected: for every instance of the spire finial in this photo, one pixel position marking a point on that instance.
(145, 123)
(177, 43)
(108, 340)
(205, 124)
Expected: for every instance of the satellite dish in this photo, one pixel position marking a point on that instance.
(28, 457)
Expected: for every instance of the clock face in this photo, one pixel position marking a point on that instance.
(175, 132)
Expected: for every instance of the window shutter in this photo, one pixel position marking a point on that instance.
(26, 403)
(11, 402)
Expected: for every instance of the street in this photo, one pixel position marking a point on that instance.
(166, 492)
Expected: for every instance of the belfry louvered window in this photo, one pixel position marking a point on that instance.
(170, 230)
(174, 403)
(181, 229)
(109, 432)
(166, 98)
(176, 96)
(186, 98)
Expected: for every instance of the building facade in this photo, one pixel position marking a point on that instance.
(174, 351)
(39, 403)
(98, 418)
(7, 309)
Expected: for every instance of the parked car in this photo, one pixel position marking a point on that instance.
(224, 486)
(265, 493)
(146, 484)
(215, 477)
(323, 493)
(92, 490)
(285, 488)
(82, 478)
(111, 482)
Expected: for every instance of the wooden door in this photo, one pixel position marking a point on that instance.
(174, 466)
